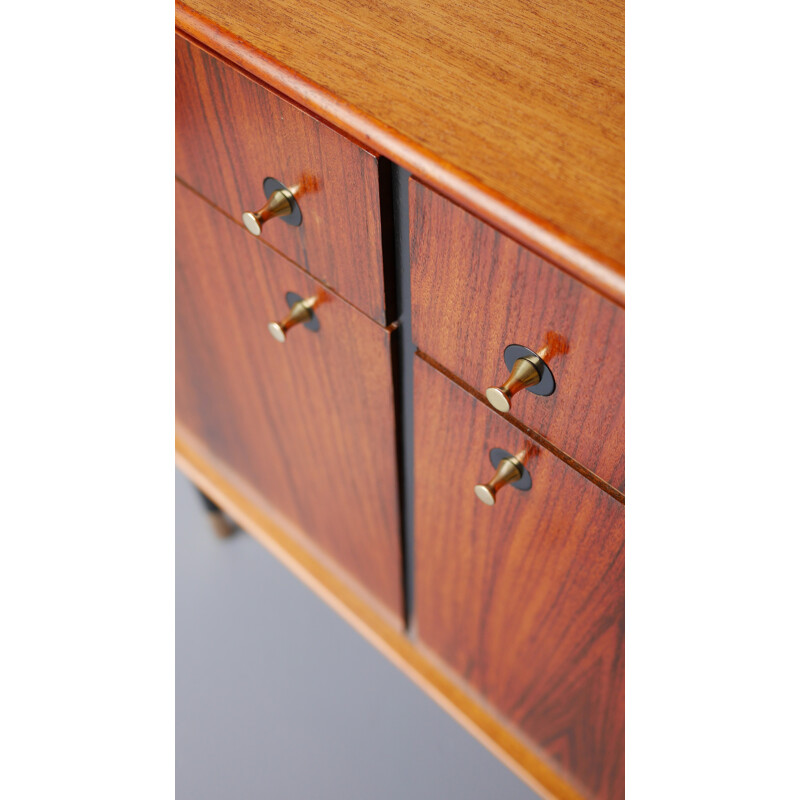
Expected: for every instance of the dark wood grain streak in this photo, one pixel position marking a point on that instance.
(231, 133)
(529, 135)
(524, 600)
(307, 425)
(474, 291)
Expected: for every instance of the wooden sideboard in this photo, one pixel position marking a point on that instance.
(400, 340)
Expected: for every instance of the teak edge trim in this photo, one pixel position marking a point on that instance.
(390, 642)
(602, 274)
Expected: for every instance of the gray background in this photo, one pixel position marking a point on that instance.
(277, 697)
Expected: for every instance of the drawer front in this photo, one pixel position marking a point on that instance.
(232, 133)
(525, 599)
(307, 425)
(475, 291)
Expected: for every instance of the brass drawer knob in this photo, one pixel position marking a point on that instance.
(509, 470)
(279, 204)
(527, 371)
(299, 312)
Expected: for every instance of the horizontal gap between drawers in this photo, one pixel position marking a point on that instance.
(537, 437)
(388, 328)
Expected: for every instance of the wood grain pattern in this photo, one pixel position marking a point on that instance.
(514, 109)
(232, 133)
(307, 426)
(524, 600)
(474, 291)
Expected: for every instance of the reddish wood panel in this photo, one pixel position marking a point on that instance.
(524, 600)
(307, 426)
(231, 133)
(474, 291)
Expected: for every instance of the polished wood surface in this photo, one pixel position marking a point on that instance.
(474, 291)
(523, 600)
(264, 525)
(514, 109)
(305, 427)
(232, 133)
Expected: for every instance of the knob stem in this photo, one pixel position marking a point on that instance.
(278, 205)
(527, 372)
(508, 471)
(300, 312)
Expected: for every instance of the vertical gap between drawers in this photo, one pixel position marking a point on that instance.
(402, 366)
(389, 249)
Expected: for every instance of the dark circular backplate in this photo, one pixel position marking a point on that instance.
(547, 385)
(272, 185)
(313, 323)
(497, 454)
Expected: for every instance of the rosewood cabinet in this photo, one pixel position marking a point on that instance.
(400, 340)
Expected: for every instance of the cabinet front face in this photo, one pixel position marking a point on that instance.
(307, 424)
(475, 293)
(523, 599)
(231, 134)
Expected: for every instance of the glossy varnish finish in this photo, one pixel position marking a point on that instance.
(231, 133)
(306, 427)
(524, 600)
(512, 102)
(475, 291)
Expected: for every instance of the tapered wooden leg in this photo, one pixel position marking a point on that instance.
(222, 525)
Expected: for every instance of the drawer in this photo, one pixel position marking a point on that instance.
(524, 600)
(306, 427)
(475, 292)
(231, 134)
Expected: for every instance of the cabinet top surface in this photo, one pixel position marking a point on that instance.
(524, 96)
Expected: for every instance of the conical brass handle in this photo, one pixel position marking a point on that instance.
(300, 312)
(527, 372)
(278, 205)
(508, 471)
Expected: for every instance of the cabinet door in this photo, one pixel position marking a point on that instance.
(306, 426)
(231, 133)
(524, 600)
